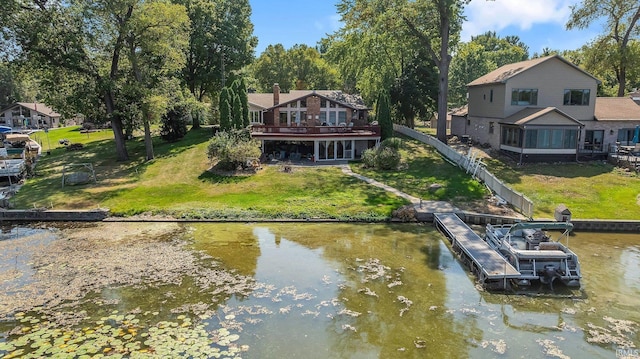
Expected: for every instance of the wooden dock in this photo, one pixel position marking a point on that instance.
(492, 270)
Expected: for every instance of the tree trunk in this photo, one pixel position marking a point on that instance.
(196, 120)
(443, 78)
(116, 125)
(622, 80)
(148, 143)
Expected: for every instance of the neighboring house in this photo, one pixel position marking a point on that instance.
(535, 110)
(635, 96)
(615, 122)
(319, 125)
(29, 115)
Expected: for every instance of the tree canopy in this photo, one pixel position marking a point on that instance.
(483, 54)
(298, 68)
(616, 46)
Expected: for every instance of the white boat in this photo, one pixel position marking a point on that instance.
(534, 254)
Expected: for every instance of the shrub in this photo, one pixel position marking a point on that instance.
(369, 157)
(392, 142)
(174, 123)
(232, 149)
(387, 158)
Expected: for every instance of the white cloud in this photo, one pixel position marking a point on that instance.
(328, 24)
(483, 15)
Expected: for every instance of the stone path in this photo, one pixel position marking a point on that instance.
(418, 203)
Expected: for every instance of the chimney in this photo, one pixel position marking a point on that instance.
(276, 94)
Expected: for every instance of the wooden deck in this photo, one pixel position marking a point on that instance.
(485, 262)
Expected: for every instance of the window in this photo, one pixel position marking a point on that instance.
(551, 138)
(492, 126)
(323, 103)
(511, 136)
(342, 117)
(593, 140)
(294, 104)
(303, 103)
(524, 97)
(576, 97)
(283, 118)
(491, 97)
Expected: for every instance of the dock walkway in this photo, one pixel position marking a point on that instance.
(489, 266)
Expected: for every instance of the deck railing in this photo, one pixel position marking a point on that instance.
(316, 130)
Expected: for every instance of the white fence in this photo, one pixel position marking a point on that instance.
(475, 168)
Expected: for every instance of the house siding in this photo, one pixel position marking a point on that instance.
(551, 78)
(481, 104)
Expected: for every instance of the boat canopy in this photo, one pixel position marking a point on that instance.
(566, 226)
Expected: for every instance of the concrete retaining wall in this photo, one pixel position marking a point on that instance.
(53, 216)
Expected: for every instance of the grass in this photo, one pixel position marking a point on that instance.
(426, 167)
(177, 182)
(590, 190)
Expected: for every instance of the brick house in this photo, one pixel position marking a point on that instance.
(321, 125)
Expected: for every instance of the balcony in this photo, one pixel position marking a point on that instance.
(315, 131)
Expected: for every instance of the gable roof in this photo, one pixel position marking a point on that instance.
(530, 114)
(38, 107)
(506, 72)
(265, 100)
(616, 109)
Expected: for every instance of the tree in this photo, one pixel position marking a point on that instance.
(383, 116)
(240, 89)
(156, 43)
(174, 123)
(436, 25)
(87, 42)
(226, 96)
(271, 67)
(622, 19)
(483, 54)
(236, 111)
(221, 41)
(381, 40)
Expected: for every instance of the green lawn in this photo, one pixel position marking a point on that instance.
(178, 183)
(589, 190)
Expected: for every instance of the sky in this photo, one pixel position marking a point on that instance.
(538, 23)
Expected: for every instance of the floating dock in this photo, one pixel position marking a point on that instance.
(491, 269)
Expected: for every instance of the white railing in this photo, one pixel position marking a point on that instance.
(474, 167)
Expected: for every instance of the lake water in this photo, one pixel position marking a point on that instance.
(298, 291)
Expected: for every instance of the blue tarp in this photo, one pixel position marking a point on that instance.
(5, 129)
(636, 135)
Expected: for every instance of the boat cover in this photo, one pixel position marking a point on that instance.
(566, 226)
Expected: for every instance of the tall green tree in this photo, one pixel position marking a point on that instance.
(622, 19)
(224, 104)
(271, 67)
(244, 101)
(221, 41)
(482, 54)
(87, 42)
(436, 24)
(383, 116)
(156, 44)
(236, 111)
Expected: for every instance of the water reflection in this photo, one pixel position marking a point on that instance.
(369, 291)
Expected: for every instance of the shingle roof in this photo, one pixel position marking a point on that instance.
(529, 114)
(504, 73)
(616, 109)
(39, 107)
(265, 100)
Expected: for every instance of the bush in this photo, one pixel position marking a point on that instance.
(174, 123)
(369, 157)
(387, 158)
(232, 149)
(392, 142)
